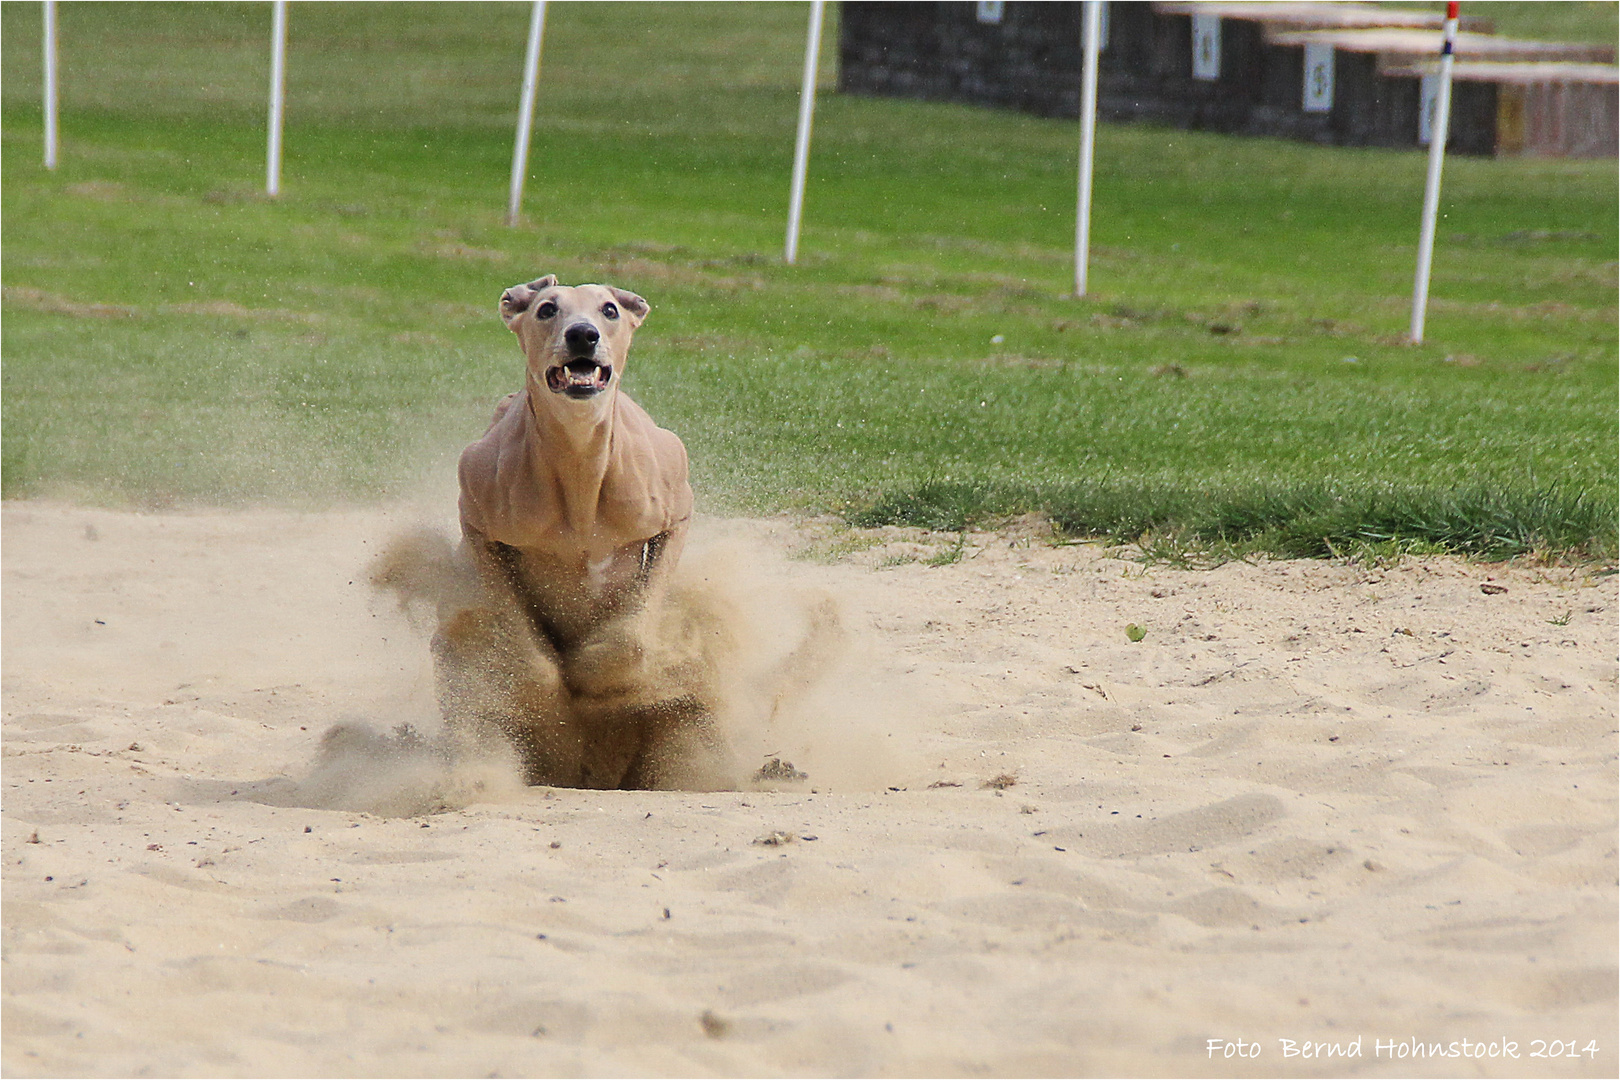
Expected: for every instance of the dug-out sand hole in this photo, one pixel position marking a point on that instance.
(780, 689)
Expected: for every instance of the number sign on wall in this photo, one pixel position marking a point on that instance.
(1318, 77)
(1206, 43)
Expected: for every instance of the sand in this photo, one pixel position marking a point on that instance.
(1358, 814)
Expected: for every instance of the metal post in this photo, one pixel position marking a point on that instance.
(1088, 128)
(1439, 131)
(531, 81)
(278, 71)
(801, 149)
(50, 84)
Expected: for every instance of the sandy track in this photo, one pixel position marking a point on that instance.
(1316, 802)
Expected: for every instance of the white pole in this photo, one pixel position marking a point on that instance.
(1088, 128)
(801, 149)
(531, 82)
(50, 84)
(1439, 131)
(278, 72)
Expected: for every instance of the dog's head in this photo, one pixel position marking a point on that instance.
(575, 337)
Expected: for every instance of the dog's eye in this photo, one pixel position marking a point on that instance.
(545, 310)
(610, 310)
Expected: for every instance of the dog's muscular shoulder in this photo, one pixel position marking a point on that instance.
(512, 490)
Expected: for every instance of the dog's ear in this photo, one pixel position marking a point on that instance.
(516, 300)
(630, 302)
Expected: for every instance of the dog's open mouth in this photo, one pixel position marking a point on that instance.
(579, 378)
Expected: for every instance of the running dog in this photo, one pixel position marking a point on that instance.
(574, 510)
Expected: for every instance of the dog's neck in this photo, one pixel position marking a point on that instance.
(585, 429)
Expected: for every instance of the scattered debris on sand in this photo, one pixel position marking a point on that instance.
(777, 770)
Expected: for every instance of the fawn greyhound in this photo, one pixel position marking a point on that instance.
(574, 509)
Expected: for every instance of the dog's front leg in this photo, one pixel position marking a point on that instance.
(498, 680)
(659, 557)
(611, 663)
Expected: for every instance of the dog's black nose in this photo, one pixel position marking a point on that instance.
(581, 338)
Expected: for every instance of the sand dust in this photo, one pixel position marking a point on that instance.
(1367, 808)
(731, 651)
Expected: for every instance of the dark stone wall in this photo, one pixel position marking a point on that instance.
(1153, 80)
(1473, 118)
(941, 52)
(1031, 61)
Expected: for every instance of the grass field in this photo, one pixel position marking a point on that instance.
(1238, 376)
(1538, 20)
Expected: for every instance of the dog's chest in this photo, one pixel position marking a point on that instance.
(571, 574)
(598, 546)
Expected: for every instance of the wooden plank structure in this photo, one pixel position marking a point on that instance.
(1379, 75)
(1544, 109)
(1252, 85)
(1339, 73)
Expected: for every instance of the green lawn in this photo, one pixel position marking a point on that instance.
(171, 336)
(1539, 20)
